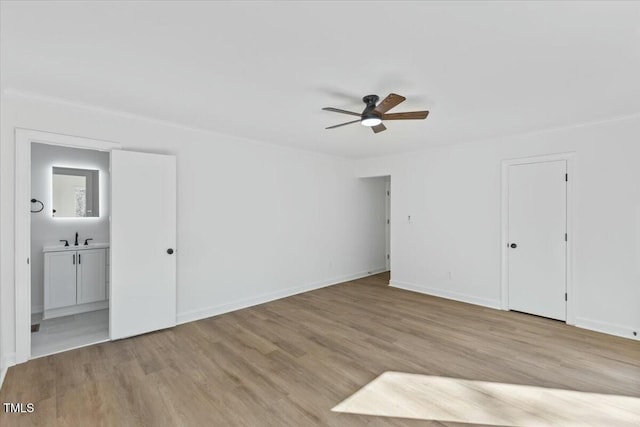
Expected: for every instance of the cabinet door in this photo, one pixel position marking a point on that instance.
(60, 279)
(92, 278)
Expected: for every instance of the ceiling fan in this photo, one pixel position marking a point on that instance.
(373, 115)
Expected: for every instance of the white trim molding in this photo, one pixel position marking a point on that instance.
(52, 313)
(23, 140)
(6, 361)
(607, 328)
(571, 291)
(443, 293)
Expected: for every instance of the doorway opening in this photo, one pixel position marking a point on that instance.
(69, 248)
(378, 190)
(387, 223)
(50, 328)
(93, 274)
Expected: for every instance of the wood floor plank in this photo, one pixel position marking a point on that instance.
(288, 362)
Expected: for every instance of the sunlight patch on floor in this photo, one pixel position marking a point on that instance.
(424, 397)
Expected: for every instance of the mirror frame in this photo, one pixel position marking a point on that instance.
(93, 189)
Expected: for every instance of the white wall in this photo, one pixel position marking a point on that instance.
(255, 221)
(452, 245)
(46, 230)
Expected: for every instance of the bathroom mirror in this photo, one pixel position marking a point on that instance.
(75, 193)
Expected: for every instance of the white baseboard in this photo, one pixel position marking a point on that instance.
(581, 322)
(74, 309)
(456, 296)
(6, 361)
(608, 328)
(193, 315)
(374, 271)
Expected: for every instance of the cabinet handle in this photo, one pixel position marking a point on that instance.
(79, 259)
(74, 259)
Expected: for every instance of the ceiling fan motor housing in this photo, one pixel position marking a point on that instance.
(371, 101)
(369, 116)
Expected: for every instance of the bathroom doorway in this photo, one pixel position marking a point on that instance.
(108, 276)
(69, 239)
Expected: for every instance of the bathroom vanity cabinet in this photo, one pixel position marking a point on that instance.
(75, 280)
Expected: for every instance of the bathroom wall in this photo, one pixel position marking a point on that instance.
(47, 230)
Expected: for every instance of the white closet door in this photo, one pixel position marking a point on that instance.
(537, 246)
(143, 239)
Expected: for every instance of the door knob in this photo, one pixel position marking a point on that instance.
(513, 245)
(169, 251)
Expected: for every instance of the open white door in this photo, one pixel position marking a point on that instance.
(143, 238)
(537, 240)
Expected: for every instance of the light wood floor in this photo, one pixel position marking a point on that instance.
(288, 362)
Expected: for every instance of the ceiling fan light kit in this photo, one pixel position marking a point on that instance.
(373, 115)
(370, 120)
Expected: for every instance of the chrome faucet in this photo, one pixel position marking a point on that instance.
(76, 242)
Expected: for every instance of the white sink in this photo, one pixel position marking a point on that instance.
(71, 247)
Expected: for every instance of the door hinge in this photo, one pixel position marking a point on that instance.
(566, 177)
(565, 237)
(27, 260)
(565, 296)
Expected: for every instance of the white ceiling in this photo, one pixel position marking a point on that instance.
(264, 70)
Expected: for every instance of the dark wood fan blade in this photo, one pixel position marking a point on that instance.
(343, 124)
(411, 115)
(337, 110)
(378, 128)
(389, 102)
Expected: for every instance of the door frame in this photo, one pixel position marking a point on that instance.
(22, 222)
(387, 230)
(569, 157)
